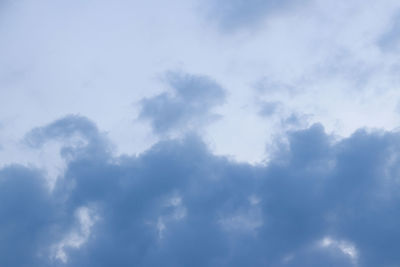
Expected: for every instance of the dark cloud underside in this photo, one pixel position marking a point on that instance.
(179, 205)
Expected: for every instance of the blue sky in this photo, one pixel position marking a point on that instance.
(199, 133)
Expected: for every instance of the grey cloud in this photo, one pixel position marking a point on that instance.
(29, 218)
(69, 127)
(232, 15)
(268, 108)
(390, 40)
(330, 203)
(296, 120)
(188, 106)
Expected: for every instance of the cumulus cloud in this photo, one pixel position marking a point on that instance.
(187, 106)
(329, 203)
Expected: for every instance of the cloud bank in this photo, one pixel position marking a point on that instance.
(318, 202)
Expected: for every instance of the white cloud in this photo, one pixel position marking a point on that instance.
(86, 218)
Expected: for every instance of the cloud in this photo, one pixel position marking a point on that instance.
(268, 109)
(330, 202)
(188, 106)
(29, 218)
(74, 132)
(237, 14)
(390, 40)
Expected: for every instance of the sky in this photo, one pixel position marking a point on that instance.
(199, 133)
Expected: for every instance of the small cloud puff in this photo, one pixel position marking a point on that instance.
(188, 106)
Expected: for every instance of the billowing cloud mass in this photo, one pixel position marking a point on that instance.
(318, 202)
